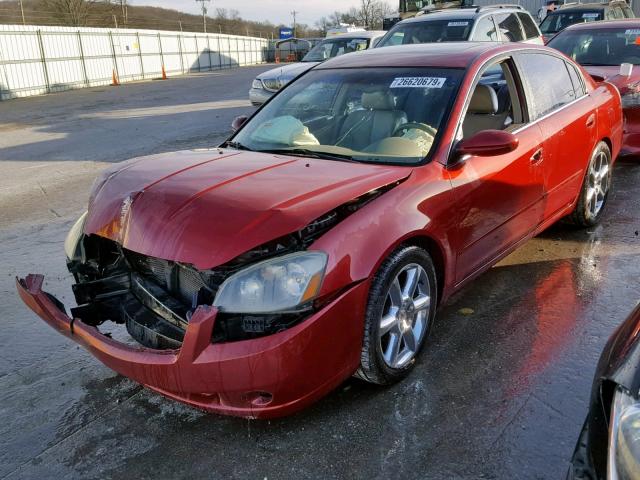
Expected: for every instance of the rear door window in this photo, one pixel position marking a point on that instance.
(428, 31)
(547, 81)
(485, 30)
(509, 27)
(530, 29)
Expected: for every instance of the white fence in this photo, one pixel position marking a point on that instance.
(36, 60)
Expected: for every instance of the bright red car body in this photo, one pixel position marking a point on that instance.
(628, 85)
(205, 208)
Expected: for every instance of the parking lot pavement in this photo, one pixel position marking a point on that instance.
(500, 392)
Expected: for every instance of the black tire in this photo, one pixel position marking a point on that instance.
(583, 215)
(373, 367)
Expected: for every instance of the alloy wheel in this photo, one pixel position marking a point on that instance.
(598, 184)
(405, 316)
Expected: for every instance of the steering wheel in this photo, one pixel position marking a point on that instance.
(428, 129)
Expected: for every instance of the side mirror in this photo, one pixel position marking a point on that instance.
(626, 69)
(488, 143)
(238, 122)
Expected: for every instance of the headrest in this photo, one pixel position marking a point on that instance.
(378, 101)
(483, 100)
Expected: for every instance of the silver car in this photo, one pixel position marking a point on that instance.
(268, 83)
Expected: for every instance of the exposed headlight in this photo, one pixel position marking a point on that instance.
(277, 285)
(630, 100)
(624, 437)
(71, 243)
(631, 95)
(257, 84)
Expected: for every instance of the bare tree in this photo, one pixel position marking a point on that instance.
(70, 12)
(335, 18)
(324, 24)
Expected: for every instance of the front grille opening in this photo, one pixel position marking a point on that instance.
(155, 298)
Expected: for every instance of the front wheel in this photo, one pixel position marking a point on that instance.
(400, 311)
(595, 188)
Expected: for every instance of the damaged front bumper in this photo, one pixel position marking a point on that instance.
(265, 377)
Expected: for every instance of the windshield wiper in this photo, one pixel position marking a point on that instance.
(236, 146)
(305, 152)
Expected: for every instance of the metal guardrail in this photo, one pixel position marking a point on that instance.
(41, 60)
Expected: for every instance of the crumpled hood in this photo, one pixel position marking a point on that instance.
(611, 75)
(287, 72)
(207, 207)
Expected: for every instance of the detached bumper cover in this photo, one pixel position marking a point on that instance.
(261, 378)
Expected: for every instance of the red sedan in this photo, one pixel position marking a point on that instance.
(601, 47)
(318, 242)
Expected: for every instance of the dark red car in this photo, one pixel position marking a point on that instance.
(318, 242)
(601, 47)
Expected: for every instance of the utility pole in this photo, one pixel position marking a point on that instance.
(294, 13)
(22, 11)
(204, 14)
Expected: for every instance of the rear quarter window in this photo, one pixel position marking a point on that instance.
(509, 27)
(530, 28)
(576, 80)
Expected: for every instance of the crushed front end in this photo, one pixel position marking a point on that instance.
(245, 364)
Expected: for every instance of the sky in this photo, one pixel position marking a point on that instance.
(275, 11)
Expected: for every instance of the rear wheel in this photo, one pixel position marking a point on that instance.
(400, 311)
(595, 188)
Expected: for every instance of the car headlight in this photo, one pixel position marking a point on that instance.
(624, 437)
(630, 95)
(71, 243)
(271, 84)
(256, 84)
(277, 285)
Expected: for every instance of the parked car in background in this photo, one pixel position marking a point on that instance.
(601, 47)
(609, 444)
(319, 240)
(572, 13)
(268, 83)
(502, 23)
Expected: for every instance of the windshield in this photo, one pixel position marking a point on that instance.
(555, 22)
(381, 115)
(335, 47)
(609, 47)
(428, 32)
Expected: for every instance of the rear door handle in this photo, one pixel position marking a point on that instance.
(591, 121)
(537, 156)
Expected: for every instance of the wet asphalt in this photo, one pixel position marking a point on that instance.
(500, 392)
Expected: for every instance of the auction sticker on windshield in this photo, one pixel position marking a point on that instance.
(418, 82)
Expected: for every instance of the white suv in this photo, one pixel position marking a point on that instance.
(493, 23)
(268, 83)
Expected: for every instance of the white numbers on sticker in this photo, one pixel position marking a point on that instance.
(632, 31)
(457, 24)
(590, 15)
(418, 82)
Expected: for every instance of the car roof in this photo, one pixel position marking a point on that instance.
(467, 13)
(580, 7)
(367, 34)
(602, 25)
(445, 54)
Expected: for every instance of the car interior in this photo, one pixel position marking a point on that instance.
(492, 105)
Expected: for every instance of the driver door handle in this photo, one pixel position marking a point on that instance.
(536, 157)
(591, 121)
